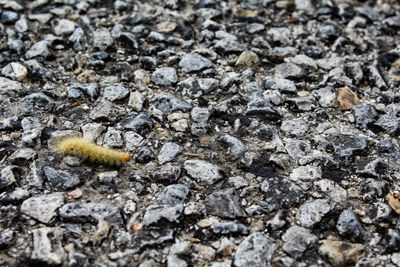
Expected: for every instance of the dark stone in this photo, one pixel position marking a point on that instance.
(148, 63)
(153, 238)
(371, 167)
(280, 193)
(38, 101)
(144, 155)
(90, 212)
(313, 51)
(229, 228)
(365, 115)
(140, 123)
(61, 179)
(224, 203)
(373, 189)
(89, 89)
(166, 174)
(393, 241)
(262, 109)
(349, 145)
(349, 226)
(170, 104)
(185, 29)
(6, 238)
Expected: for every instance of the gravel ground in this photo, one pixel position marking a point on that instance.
(261, 132)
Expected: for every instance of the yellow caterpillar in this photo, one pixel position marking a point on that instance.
(84, 149)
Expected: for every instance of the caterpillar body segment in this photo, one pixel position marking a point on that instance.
(84, 149)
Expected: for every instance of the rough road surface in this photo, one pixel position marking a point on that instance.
(261, 132)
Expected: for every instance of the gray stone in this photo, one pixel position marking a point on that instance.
(76, 89)
(16, 196)
(371, 167)
(331, 189)
(255, 28)
(113, 138)
(297, 240)
(367, 12)
(254, 250)
(7, 85)
(8, 16)
(381, 211)
(330, 63)
(158, 213)
(61, 179)
(194, 62)
(350, 227)
(289, 70)
(153, 238)
(39, 49)
(282, 35)
(262, 109)
(78, 38)
(107, 177)
(237, 182)
(273, 96)
(373, 189)
(36, 101)
(389, 124)
(225, 228)
(224, 203)
(200, 114)
(91, 212)
(29, 123)
(136, 101)
(106, 110)
(365, 115)
(47, 245)
(195, 208)
(304, 61)
(6, 238)
(9, 123)
(228, 45)
(294, 127)
(102, 39)
(166, 174)
(42, 18)
(326, 96)
(236, 148)
(312, 213)
(164, 76)
(203, 172)
(115, 92)
(173, 260)
(92, 131)
(306, 173)
(7, 177)
(15, 71)
(140, 123)
(174, 194)
(348, 145)
(168, 152)
(64, 27)
(297, 149)
(23, 154)
(43, 207)
(132, 140)
(281, 193)
(283, 85)
(170, 104)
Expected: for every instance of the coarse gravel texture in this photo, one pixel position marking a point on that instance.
(261, 132)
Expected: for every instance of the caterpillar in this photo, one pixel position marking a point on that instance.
(84, 149)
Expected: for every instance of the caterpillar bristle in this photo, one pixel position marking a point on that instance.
(84, 149)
